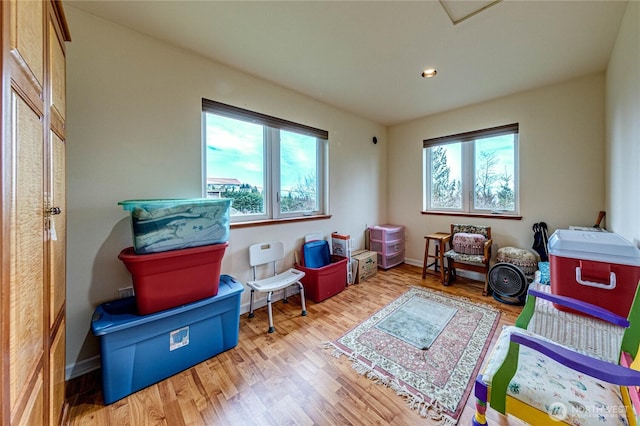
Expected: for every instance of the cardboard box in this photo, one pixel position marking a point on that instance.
(367, 264)
(341, 245)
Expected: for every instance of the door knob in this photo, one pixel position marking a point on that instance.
(54, 211)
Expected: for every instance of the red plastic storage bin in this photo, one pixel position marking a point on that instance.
(169, 279)
(322, 283)
(601, 268)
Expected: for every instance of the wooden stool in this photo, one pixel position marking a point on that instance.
(438, 256)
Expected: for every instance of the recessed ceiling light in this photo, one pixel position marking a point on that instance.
(429, 72)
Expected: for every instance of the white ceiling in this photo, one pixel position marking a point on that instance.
(367, 56)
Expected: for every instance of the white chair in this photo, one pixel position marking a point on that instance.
(272, 252)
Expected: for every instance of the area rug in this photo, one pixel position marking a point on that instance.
(425, 345)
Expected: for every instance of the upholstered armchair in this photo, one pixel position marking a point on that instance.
(470, 250)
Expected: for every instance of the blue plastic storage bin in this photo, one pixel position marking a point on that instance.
(315, 254)
(140, 350)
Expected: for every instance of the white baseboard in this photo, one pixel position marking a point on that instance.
(88, 365)
(261, 298)
(466, 274)
(82, 367)
(413, 262)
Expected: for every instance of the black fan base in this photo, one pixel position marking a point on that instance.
(509, 300)
(508, 283)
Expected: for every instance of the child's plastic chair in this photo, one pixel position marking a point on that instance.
(542, 381)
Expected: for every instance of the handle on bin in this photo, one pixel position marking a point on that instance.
(97, 315)
(610, 286)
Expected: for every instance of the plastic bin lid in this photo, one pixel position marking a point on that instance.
(159, 202)
(593, 245)
(387, 227)
(315, 254)
(121, 314)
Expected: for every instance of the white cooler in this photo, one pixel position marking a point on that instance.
(602, 268)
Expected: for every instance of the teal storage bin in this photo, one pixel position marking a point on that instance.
(140, 350)
(171, 224)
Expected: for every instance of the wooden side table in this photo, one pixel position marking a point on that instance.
(438, 257)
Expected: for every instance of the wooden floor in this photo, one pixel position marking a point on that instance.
(284, 378)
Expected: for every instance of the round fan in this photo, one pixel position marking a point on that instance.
(508, 283)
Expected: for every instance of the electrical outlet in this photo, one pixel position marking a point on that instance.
(125, 292)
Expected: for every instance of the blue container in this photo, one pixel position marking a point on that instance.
(315, 254)
(140, 350)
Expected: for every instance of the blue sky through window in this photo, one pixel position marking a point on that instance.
(235, 150)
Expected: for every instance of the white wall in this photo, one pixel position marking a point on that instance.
(134, 131)
(623, 129)
(561, 161)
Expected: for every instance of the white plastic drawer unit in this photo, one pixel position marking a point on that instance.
(386, 262)
(388, 242)
(386, 248)
(386, 233)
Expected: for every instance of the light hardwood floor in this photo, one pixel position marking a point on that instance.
(287, 377)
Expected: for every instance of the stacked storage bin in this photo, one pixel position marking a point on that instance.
(183, 311)
(178, 245)
(137, 351)
(388, 242)
(325, 274)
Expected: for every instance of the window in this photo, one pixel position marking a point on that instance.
(271, 168)
(474, 172)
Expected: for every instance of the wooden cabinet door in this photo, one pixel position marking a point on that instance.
(27, 342)
(23, 147)
(33, 412)
(32, 172)
(56, 218)
(57, 364)
(57, 197)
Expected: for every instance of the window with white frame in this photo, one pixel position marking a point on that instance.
(474, 172)
(271, 168)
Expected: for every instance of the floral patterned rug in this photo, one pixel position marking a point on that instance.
(436, 381)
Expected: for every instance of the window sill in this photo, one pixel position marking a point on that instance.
(481, 215)
(236, 225)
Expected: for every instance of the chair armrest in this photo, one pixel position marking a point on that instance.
(487, 249)
(584, 307)
(594, 367)
(602, 370)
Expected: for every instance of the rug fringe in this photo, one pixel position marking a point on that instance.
(432, 410)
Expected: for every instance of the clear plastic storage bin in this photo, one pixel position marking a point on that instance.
(170, 224)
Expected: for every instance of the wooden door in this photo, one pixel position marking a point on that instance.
(56, 218)
(32, 166)
(23, 166)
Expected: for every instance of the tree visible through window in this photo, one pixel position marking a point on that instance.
(473, 172)
(270, 168)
